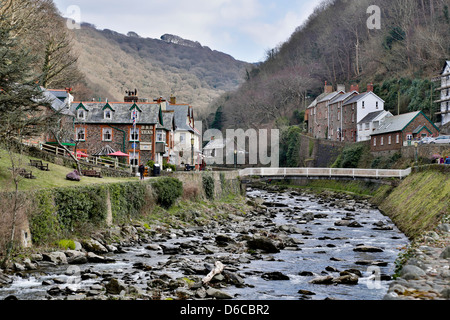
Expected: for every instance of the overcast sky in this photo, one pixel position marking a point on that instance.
(245, 29)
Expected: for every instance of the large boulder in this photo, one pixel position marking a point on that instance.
(56, 257)
(446, 253)
(92, 245)
(411, 272)
(263, 244)
(115, 286)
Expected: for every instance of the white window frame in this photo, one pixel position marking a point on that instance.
(135, 131)
(107, 112)
(78, 132)
(134, 156)
(104, 131)
(81, 114)
(398, 138)
(382, 141)
(390, 140)
(375, 142)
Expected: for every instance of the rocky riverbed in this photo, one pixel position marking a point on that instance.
(285, 245)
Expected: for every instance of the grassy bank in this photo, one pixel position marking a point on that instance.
(55, 178)
(419, 203)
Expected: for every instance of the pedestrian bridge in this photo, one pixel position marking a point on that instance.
(323, 173)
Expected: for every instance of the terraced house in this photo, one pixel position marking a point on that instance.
(338, 115)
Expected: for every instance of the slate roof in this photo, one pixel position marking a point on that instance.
(371, 116)
(342, 97)
(396, 123)
(181, 112)
(168, 120)
(359, 97)
(149, 113)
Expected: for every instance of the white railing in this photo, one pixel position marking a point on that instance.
(92, 160)
(324, 172)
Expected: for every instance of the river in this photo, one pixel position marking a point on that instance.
(319, 245)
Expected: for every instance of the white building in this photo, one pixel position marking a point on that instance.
(370, 123)
(445, 94)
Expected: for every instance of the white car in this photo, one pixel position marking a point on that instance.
(441, 140)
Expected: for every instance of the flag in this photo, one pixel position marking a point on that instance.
(134, 117)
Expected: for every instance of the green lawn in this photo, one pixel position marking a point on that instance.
(56, 177)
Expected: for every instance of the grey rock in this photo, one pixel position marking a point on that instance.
(95, 246)
(56, 257)
(74, 176)
(411, 272)
(263, 244)
(346, 279)
(115, 286)
(367, 249)
(214, 293)
(322, 280)
(446, 253)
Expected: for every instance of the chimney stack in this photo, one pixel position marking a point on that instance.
(328, 88)
(173, 100)
(341, 87)
(131, 96)
(370, 87)
(354, 87)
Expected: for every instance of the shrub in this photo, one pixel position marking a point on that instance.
(66, 244)
(208, 186)
(168, 191)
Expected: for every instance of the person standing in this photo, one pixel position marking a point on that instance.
(142, 171)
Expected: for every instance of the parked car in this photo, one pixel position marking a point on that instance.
(426, 140)
(441, 140)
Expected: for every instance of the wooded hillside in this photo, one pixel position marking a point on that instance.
(336, 45)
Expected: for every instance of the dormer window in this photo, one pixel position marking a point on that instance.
(107, 115)
(81, 114)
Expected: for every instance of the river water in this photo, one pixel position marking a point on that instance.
(323, 249)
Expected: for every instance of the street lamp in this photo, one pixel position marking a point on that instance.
(416, 145)
(192, 150)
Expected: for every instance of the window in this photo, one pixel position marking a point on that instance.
(81, 134)
(81, 114)
(134, 114)
(390, 140)
(107, 115)
(398, 139)
(107, 134)
(183, 138)
(134, 158)
(134, 134)
(367, 126)
(353, 117)
(364, 104)
(339, 115)
(382, 141)
(161, 136)
(374, 142)
(376, 104)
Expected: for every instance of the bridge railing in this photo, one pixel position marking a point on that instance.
(325, 172)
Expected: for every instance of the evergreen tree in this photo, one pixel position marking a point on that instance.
(21, 112)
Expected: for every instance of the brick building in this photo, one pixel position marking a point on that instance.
(335, 115)
(396, 132)
(98, 124)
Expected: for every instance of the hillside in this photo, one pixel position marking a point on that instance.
(336, 45)
(113, 63)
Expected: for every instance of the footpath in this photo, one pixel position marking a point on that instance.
(426, 273)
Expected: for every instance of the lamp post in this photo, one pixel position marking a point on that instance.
(192, 151)
(235, 158)
(416, 145)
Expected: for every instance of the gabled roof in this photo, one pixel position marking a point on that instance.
(399, 123)
(372, 116)
(343, 97)
(447, 64)
(182, 111)
(361, 96)
(329, 96)
(150, 113)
